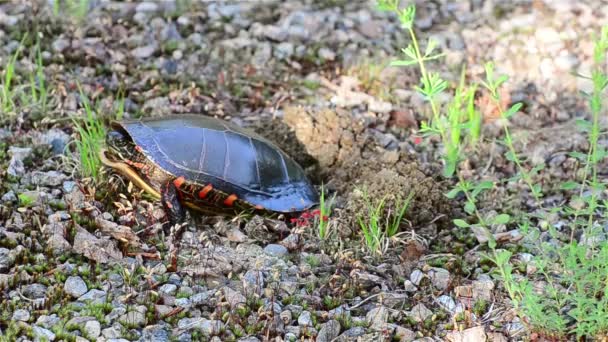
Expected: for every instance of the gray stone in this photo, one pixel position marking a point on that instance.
(170, 33)
(80, 320)
(199, 298)
(440, 278)
(351, 334)
(377, 317)
(284, 50)
(294, 330)
(110, 333)
(57, 138)
(248, 339)
(327, 54)
(68, 186)
(329, 331)
(95, 296)
(75, 286)
(183, 302)
(42, 334)
(275, 33)
(472, 334)
(5, 260)
(169, 289)
(61, 44)
(133, 318)
(566, 62)
(218, 11)
(262, 54)
(21, 315)
(146, 7)
(15, 165)
(416, 277)
(144, 52)
(233, 297)
(276, 250)
(341, 312)
(34, 291)
(92, 328)
(305, 319)
(9, 197)
(207, 327)
(115, 313)
(371, 29)
(47, 321)
(49, 178)
(403, 334)
(253, 282)
(156, 333)
(447, 303)
(482, 289)
(419, 313)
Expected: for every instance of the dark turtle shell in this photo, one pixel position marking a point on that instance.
(205, 150)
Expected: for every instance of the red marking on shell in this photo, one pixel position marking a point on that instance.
(259, 207)
(179, 181)
(205, 191)
(229, 201)
(138, 148)
(134, 164)
(169, 205)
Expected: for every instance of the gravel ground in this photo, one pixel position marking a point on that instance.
(80, 261)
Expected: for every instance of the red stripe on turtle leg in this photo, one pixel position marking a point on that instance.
(229, 201)
(205, 191)
(179, 181)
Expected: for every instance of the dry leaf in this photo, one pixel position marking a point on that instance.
(403, 118)
(490, 110)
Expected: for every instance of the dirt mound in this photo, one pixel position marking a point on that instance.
(351, 162)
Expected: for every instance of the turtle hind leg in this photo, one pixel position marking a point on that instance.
(177, 214)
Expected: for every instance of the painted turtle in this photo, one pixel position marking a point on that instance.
(206, 164)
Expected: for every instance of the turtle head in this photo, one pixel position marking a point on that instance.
(119, 143)
(117, 139)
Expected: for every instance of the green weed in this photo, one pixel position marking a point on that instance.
(77, 9)
(325, 213)
(92, 132)
(25, 200)
(381, 223)
(493, 84)
(574, 301)
(6, 94)
(38, 88)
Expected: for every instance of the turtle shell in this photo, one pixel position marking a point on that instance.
(205, 150)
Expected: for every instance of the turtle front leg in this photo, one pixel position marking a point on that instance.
(170, 199)
(177, 214)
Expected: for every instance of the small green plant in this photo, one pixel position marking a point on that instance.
(574, 301)
(74, 8)
(313, 260)
(325, 213)
(92, 132)
(492, 84)
(381, 223)
(6, 94)
(460, 114)
(38, 81)
(26, 200)
(120, 111)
